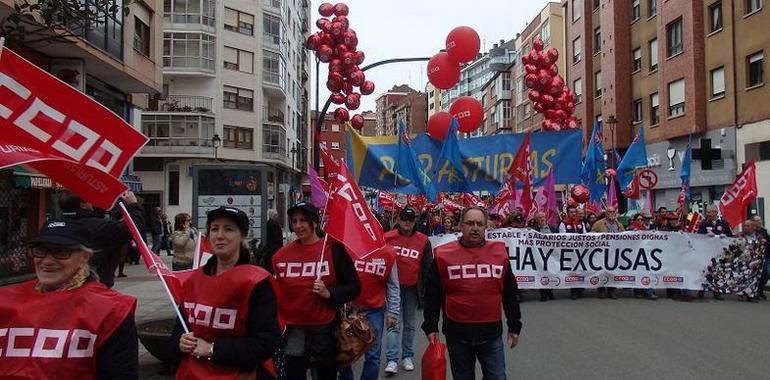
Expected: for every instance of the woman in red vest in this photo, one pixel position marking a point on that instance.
(230, 307)
(314, 278)
(65, 324)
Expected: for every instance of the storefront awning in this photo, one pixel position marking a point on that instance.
(26, 179)
(133, 182)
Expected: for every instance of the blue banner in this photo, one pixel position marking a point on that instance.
(485, 160)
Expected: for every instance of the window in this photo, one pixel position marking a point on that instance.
(637, 57)
(674, 36)
(756, 72)
(597, 84)
(189, 51)
(577, 9)
(238, 98)
(654, 55)
(335, 127)
(577, 87)
(239, 22)
(597, 40)
(190, 12)
(273, 68)
(715, 16)
(238, 138)
(141, 37)
(576, 50)
(272, 29)
(173, 188)
(637, 111)
(753, 6)
(274, 140)
(654, 109)
(758, 151)
(506, 80)
(596, 4)
(652, 8)
(545, 33)
(718, 82)
(239, 60)
(676, 98)
(323, 127)
(636, 10)
(335, 145)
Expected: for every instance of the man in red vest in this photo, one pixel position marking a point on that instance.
(413, 258)
(472, 281)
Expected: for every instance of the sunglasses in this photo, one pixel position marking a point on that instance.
(408, 218)
(59, 253)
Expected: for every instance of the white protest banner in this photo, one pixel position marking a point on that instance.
(641, 259)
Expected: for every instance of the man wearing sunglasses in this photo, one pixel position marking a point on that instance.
(64, 323)
(413, 258)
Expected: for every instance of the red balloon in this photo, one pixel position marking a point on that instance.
(357, 121)
(327, 39)
(324, 53)
(531, 69)
(344, 20)
(538, 107)
(537, 44)
(353, 101)
(326, 9)
(572, 124)
(340, 50)
(347, 88)
(463, 44)
(579, 193)
(553, 70)
(360, 57)
(348, 59)
(546, 99)
(313, 41)
(341, 9)
(350, 38)
(337, 29)
(350, 69)
(323, 24)
(544, 77)
(560, 115)
(469, 113)
(557, 105)
(357, 78)
(534, 58)
(525, 59)
(333, 85)
(438, 125)
(337, 98)
(367, 87)
(533, 95)
(341, 114)
(546, 59)
(552, 54)
(546, 125)
(530, 80)
(570, 106)
(549, 114)
(443, 71)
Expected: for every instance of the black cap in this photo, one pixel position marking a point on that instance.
(306, 208)
(64, 232)
(240, 217)
(408, 212)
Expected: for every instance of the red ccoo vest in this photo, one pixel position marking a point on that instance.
(373, 272)
(408, 254)
(473, 280)
(215, 307)
(295, 267)
(57, 335)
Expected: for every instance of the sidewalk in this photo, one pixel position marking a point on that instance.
(152, 303)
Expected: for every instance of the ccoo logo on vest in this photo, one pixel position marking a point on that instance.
(47, 343)
(406, 252)
(209, 316)
(303, 269)
(470, 271)
(376, 267)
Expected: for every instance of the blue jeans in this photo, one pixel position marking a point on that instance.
(405, 319)
(463, 354)
(372, 357)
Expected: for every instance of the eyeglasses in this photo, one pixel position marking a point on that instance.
(407, 218)
(472, 223)
(59, 253)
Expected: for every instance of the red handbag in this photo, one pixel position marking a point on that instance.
(434, 361)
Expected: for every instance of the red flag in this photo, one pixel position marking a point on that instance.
(94, 186)
(521, 170)
(694, 222)
(202, 251)
(451, 206)
(39, 111)
(386, 200)
(471, 200)
(739, 195)
(633, 191)
(351, 222)
(154, 264)
(331, 166)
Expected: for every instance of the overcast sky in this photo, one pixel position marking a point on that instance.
(418, 28)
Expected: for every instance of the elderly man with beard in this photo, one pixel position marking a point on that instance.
(472, 281)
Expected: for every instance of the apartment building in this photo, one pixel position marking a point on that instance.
(696, 72)
(401, 104)
(113, 64)
(496, 94)
(434, 99)
(230, 126)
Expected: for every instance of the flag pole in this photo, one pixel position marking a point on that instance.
(171, 297)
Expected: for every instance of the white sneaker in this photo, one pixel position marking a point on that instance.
(391, 368)
(408, 364)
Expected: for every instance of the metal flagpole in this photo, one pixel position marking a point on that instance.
(171, 297)
(2, 45)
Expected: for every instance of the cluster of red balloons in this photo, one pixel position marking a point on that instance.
(462, 46)
(547, 90)
(579, 194)
(336, 44)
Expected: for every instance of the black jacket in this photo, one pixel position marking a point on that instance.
(107, 238)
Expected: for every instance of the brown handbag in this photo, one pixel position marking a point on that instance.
(354, 336)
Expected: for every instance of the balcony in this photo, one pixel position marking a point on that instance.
(186, 135)
(273, 6)
(182, 104)
(273, 116)
(274, 83)
(272, 41)
(190, 21)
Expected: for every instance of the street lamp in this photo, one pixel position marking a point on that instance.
(611, 123)
(217, 143)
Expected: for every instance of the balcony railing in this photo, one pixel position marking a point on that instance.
(272, 5)
(273, 115)
(182, 104)
(273, 78)
(179, 145)
(191, 18)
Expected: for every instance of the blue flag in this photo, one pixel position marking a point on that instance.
(684, 173)
(408, 167)
(594, 167)
(450, 162)
(636, 157)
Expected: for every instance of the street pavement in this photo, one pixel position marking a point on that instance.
(584, 339)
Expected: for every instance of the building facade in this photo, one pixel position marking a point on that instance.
(401, 104)
(113, 65)
(231, 124)
(433, 96)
